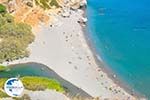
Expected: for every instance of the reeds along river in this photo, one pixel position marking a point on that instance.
(120, 31)
(41, 70)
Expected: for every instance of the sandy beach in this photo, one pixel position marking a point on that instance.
(64, 49)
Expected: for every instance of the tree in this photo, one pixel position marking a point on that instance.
(2, 8)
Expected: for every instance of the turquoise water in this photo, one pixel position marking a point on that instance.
(37, 69)
(120, 31)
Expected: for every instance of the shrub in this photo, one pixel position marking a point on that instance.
(47, 4)
(54, 3)
(15, 38)
(2, 68)
(9, 18)
(41, 83)
(2, 8)
(3, 95)
(2, 82)
(34, 84)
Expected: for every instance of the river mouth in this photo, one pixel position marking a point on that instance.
(41, 70)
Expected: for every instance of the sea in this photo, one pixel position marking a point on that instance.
(120, 32)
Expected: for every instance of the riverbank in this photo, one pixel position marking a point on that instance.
(63, 48)
(41, 70)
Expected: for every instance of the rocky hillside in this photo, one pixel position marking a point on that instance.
(34, 12)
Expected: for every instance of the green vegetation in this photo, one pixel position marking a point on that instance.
(34, 84)
(2, 82)
(47, 4)
(14, 38)
(54, 3)
(40, 83)
(2, 94)
(2, 8)
(2, 68)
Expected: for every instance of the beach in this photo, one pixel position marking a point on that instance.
(63, 48)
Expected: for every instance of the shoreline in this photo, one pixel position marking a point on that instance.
(89, 71)
(72, 90)
(109, 71)
(102, 65)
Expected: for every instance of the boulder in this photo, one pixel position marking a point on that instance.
(83, 3)
(12, 6)
(66, 12)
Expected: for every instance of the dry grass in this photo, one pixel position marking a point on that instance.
(1, 1)
(37, 15)
(31, 16)
(20, 13)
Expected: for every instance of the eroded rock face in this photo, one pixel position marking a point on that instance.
(71, 4)
(28, 2)
(12, 6)
(66, 12)
(76, 4)
(83, 3)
